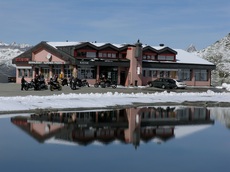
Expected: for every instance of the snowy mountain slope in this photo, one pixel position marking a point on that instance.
(15, 45)
(219, 48)
(7, 53)
(191, 48)
(219, 54)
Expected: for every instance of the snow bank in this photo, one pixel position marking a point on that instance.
(97, 100)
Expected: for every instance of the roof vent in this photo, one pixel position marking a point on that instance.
(161, 45)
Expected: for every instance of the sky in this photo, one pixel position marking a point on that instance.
(175, 23)
(104, 100)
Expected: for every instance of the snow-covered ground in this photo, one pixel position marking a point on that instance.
(100, 100)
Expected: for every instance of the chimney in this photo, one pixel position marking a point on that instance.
(138, 52)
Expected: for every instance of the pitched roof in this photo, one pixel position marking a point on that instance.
(186, 57)
(48, 47)
(182, 56)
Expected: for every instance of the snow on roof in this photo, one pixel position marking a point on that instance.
(102, 44)
(186, 57)
(119, 45)
(182, 55)
(98, 44)
(62, 44)
(155, 47)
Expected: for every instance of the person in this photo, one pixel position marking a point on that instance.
(23, 81)
(36, 82)
(55, 79)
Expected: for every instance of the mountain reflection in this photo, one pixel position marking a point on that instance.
(127, 126)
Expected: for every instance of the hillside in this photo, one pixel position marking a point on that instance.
(7, 53)
(219, 54)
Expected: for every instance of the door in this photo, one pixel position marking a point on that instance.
(122, 78)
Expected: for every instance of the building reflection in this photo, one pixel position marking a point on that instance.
(128, 126)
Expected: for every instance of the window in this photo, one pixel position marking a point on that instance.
(183, 113)
(201, 75)
(161, 74)
(88, 54)
(91, 54)
(30, 72)
(20, 72)
(56, 70)
(25, 72)
(107, 55)
(169, 58)
(167, 74)
(87, 73)
(67, 72)
(154, 73)
(149, 73)
(199, 113)
(184, 74)
(46, 72)
(123, 55)
(113, 55)
(165, 57)
(81, 54)
(148, 57)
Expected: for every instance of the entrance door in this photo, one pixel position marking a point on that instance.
(122, 78)
(109, 73)
(114, 76)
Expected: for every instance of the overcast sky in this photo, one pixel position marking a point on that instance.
(176, 23)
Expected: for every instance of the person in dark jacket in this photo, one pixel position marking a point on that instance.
(23, 81)
(36, 82)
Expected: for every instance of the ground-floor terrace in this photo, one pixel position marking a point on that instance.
(116, 72)
(119, 73)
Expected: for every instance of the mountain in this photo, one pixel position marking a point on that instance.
(191, 48)
(14, 45)
(7, 53)
(219, 54)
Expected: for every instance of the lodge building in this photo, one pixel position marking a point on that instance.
(125, 64)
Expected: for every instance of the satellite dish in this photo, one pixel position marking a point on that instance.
(48, 56)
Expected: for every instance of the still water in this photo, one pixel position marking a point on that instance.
(134, 139)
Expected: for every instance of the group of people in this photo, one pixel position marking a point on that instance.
(38, 81)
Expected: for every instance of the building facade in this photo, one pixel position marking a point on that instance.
(125, 64)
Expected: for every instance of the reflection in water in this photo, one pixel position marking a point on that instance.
(222, 115)
(128, 126)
